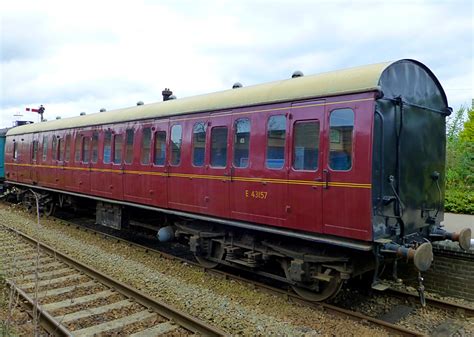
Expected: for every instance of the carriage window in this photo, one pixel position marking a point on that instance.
(340, 150)
(306, 146)
(86, 149)
(34, 152)
(54, 147)
(118, 142)
(95, 147)
(160, 148)
(68, 148)
(61, 148)
(276, 135)
(199, 143)
(77, 149)
(176, 138)
(241, 142)
(45, 147)
(107, 147)
(15, 150)
(219, 147)
(129, 146)
(146, 146)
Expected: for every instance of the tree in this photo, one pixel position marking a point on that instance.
(460, 162)
(467, 133)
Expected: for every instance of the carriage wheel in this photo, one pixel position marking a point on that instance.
(322, 290)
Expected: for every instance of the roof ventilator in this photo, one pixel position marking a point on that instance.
(297, 73)
(167, 93)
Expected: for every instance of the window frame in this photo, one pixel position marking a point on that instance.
(150, 144)
(352, 140)
(61, 143)
(78, 148)
(54, 148)
(293, 143)
(154, 148)
(95, 135)
(233, 142)
(44, 149)
(193, 143)
(285, 147)
(117, 136)
(180, 145)
(67, 148)
(126, 147)
(85, 148)
(226, 147)
(15, 150)
(110, 146)
(34, 150)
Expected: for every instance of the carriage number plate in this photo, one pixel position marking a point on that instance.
(256, 194)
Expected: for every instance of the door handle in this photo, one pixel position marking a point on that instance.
(326, 178)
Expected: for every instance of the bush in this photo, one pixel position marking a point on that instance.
(460, 162)
(459, 201)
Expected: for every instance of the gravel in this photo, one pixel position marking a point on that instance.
(425, 320)
(230, 305)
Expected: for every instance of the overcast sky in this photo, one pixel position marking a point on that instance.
(75, 56)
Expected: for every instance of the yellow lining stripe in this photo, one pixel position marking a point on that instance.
(206, 176)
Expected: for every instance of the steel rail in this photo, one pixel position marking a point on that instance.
(47, 322)
(458, 307)
(183, 319)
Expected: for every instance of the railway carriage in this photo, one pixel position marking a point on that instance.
(311, 180)
(3, 133)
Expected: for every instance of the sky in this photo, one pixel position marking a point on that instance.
(81, 56)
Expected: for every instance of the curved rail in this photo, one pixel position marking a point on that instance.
(53, 326)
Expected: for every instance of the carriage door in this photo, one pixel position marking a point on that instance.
(82, 158)
(346, 172)
(34, 159)
(218, 164)
(305, 169)
(159, 176)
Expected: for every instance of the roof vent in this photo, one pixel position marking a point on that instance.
(82, 114)
(237, 85)
(58, 117)
(297, 73)
(171, 97)
(140, 103)
(102, 110)
(167, 93)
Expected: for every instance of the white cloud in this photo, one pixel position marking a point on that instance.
(81, 56)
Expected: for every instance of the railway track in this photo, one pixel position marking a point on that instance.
(72, 299)
(390, 328)
(434, 302)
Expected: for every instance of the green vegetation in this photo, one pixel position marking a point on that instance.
(460, 162)
(4, 329)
